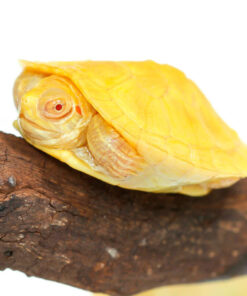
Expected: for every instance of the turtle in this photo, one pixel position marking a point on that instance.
(139, 125)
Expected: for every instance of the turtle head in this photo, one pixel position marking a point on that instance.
(52, 111)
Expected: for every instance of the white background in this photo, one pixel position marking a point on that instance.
(206, 39)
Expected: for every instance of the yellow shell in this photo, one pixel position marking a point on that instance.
(165, 117)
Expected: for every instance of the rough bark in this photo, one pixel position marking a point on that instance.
(59, 224)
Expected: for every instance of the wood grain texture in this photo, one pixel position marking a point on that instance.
(59, 224)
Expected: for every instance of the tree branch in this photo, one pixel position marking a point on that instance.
(59, 224)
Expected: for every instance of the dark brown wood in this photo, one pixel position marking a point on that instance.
(59, 224)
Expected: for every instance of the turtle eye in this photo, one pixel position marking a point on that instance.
(55, 108)
(59, 107)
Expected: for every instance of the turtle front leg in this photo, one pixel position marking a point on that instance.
(110, 150)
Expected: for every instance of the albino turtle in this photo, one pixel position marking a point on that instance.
(138, 125)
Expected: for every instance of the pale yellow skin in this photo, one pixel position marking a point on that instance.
(181, 144)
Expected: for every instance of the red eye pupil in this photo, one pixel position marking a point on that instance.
(59, 107)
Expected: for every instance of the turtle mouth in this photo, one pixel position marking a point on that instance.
(34, 131)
